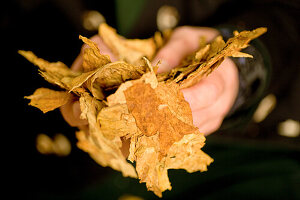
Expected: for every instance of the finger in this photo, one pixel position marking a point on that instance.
(104, 49)
(184, 41)
(71, 113)
(203, 117)
(171, 55)
(204, 93)
(211, 126)
(220, 107)
(77, 64)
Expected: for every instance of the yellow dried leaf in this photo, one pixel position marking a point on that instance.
(129, 50)
(145, 108)
(113, 74)
(117, 121)
(186, 154)
(46, 99)
(105, 150)
(78, 81)
(92, 58)
(233, 45)
(216, 46)
(183, 154)
(241, 54)
(54, 73)
(202, 53)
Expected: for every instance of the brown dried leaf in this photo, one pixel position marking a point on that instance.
(164, 120)
(153, 114)
(149, 78)
(46, 99)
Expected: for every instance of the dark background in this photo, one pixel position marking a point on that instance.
(50, 28)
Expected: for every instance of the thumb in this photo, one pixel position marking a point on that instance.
(205, 93)
(183, 42)
(172, 53)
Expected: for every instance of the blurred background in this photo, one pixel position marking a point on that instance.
(261, 161)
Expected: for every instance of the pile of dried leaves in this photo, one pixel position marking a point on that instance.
(127, 99)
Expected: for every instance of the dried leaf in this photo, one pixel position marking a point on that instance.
(183, 154)
(46, 99)
(149, 78)
(232, 46)
(55, 73)
(129, 50)
(145, 108)
(92, 58)
(105, 150)
(186, 154)
(113, 74)
(117, 121)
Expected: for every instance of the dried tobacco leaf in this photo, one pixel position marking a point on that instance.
(46, 99)
(117, 121)
(113, 74)
(129, 50)
(92, 58)
(219, 52)
(105, 150)
(183, 154)
(147, 108)
(56, 73)
(163, 118)
(153, 115)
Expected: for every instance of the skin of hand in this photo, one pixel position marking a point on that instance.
(210, 99)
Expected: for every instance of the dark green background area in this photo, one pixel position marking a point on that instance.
(241, 170)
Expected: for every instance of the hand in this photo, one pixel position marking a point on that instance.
(211, 98)
(71, 111)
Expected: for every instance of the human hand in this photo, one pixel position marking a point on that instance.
(210, 99)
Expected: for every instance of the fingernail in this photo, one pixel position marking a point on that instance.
(76, 109)
(163, 66)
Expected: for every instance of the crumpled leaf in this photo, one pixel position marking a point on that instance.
(183, 154)
(164, 118)
(219, 53)
(104, 150)
(92, 58)
(46, 99)
(129, 50)
(117, 121)
(127, 101)
(153, 115)
(56, 72)
(113, 74)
